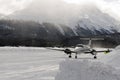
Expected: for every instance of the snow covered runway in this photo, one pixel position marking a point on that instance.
(28, 63)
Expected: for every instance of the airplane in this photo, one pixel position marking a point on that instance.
(83, 49)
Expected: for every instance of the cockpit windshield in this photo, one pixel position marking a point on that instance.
(79, 45)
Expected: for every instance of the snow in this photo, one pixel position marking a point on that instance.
(113, 58)
(24, 63)
(86, 70)
(28, 63)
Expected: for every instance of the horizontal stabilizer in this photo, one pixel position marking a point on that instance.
(92, 38)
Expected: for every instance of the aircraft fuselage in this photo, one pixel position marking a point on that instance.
(80, 50)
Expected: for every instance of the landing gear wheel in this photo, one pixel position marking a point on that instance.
(95, 57)
(70, 56)
(75, 57)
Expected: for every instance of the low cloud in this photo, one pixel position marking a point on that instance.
(61, 11)
(10, 6)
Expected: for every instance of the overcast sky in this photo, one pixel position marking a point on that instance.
(10, 6)
(112, 7)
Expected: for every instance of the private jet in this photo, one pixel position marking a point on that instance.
(84, 49)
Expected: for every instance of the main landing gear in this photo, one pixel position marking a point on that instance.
(70, 56)
(93, 52)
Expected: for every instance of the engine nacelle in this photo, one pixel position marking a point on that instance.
(68, 51)
(93, 52)
(108, 51)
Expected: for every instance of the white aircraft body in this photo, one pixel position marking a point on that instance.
(84, 49)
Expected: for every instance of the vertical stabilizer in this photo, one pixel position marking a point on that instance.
(90, 43)
(90, 40)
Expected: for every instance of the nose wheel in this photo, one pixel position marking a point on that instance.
(95, 57)
(70, 56)
(76, 56)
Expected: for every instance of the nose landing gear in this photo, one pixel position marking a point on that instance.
(70, 56)
(95, 57)
(76, 56)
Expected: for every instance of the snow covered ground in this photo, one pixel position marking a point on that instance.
(86, 70)
(27, 63)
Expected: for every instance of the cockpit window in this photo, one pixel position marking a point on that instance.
(80, 45)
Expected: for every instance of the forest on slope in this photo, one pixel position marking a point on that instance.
(31, 33)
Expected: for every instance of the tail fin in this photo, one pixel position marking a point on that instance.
(90, 43)
(91, 39)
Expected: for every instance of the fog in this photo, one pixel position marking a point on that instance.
(60, 11)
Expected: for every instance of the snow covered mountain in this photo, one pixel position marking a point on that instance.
(95, 20)
(51, 28)
(59, 12)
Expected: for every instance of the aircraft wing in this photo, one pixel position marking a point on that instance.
(64, 50)
(56, 49)
(105, 51)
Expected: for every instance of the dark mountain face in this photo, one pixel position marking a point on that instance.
(30, 33)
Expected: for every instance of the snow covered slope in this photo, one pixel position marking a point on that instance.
(86, 70)
(94, 20)
(113, 58)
